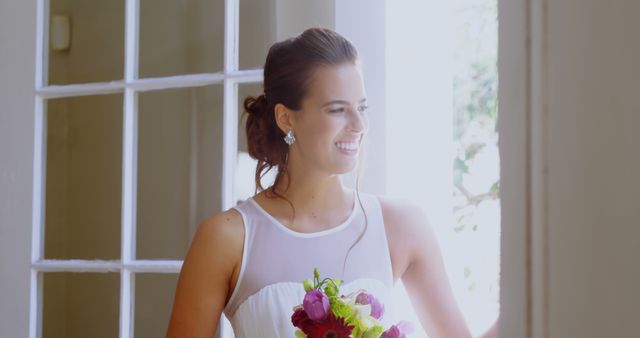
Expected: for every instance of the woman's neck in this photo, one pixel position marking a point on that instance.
(316, 203)
(316, 196)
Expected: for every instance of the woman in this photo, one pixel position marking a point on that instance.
(310, 124)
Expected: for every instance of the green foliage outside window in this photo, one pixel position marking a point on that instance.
(476, 162)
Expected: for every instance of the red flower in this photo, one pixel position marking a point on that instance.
(330, 327)
(299, 317)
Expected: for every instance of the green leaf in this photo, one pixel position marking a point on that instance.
(495, 188)
(330, 290)
(373, 332)
(308, 285)
(457, 177)
(472, 150)
(460, 164)
(340, 309)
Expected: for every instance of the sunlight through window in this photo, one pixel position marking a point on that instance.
(442, 108)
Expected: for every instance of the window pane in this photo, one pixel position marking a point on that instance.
(181, 37)
(264, 22)
(80, 305)
(244, 186)
(154, 300)
(83, 179)
(96, 49)
(179, 167)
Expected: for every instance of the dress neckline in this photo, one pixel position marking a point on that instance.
(308, 234)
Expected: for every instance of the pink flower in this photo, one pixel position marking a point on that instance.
(316, 305)
(399, 330)
(377, 308)
(393, 332)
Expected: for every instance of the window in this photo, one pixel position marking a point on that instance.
(441, 79)
(136, 142)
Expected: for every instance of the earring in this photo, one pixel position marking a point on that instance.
(290, 138)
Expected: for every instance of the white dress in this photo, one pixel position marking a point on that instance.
(277, 259)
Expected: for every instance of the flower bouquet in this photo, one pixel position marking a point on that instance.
(325, 313)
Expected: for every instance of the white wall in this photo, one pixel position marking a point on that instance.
(581, 115)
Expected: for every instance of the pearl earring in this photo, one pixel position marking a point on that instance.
(290, 138)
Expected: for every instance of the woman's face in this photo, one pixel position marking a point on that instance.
(333, 120)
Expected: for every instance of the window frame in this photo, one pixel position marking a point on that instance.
(131, 85)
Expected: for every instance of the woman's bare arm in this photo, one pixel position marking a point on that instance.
(203, 286)
(428, 286)
(492, 331)
(425, 278)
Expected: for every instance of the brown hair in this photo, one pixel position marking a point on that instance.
(288, 71)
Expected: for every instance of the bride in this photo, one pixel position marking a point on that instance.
(248, 262)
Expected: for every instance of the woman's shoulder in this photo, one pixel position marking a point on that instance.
(398, 209)
(404, 219)
(218, 236)
(223, 226)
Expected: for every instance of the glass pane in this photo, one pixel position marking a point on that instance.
(83, 183)
(181, 37)
(154, 300)
(264, 22)
(95, 52)
(179, 167)
(80, 305)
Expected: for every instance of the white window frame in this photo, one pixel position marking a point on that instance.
(131, 86)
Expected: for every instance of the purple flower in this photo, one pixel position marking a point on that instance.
(405, 326)
(377, 308)
(316, 305)
(393, 332)
(399, 330)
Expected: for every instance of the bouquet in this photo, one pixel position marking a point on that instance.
(326, 313)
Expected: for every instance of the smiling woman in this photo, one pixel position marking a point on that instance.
(310, 124)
